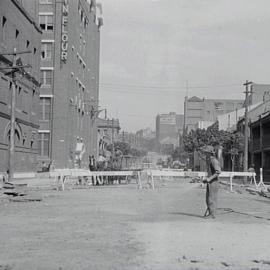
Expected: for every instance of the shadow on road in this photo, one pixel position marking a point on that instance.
(186, 214)
(229, 210)
(221, 211)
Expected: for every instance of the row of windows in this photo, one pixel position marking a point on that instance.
(46, 79)
(13, 37)
(23, 96)
(16, 34)
(47, 53)
(83, 17)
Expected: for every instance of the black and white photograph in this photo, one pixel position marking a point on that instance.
(134, 134)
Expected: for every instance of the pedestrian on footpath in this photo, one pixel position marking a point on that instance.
(213, 171)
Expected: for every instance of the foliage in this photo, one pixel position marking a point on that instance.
(196, 139)
(150, 144)
(138, 152)
(126, 149)
(179, 154)
(167, 149)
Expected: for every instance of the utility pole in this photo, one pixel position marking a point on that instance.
(113, 137)
(12, 122)
(185, 110)
(14, 68)
(247, 92)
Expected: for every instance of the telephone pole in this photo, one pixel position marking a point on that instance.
(247, 93)
(14, 68)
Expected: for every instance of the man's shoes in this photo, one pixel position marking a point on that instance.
(210, 216)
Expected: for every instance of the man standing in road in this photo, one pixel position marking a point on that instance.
(213, 171)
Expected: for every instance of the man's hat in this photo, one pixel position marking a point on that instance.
(209, 149)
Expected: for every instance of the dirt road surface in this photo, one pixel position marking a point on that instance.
(121, 227)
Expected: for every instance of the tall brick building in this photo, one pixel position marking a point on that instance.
(169, 127)
(18, 29)
(69, 79)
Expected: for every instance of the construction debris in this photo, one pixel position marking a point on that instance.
(261, 192)
(18, 193)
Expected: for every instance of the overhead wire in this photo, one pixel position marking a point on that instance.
(106, 84)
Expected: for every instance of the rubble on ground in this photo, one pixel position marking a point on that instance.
(17, 193)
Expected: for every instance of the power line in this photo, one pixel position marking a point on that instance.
(107, 84)
(138, 92)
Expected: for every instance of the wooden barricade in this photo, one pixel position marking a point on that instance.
(61, 175)
(201, 175)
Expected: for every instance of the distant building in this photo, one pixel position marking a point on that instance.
(229, 120)
(203, 124)
(69, 79)
(144, 138)
(197, 109)
(146, 133)
(260, 93)
(18, 29)
(169, 128)
(132, 138)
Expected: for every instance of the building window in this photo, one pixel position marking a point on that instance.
(46, 78)
(46, 22)
(3, 91)
(218, 106)
(45, 1)
(46, 51)
(19, 97)
(44, 144)
(17, 32)
(45, 108)
(4, 21)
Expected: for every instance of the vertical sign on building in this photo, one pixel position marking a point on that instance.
(64, 32)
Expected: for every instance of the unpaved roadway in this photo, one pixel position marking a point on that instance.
(120, 227)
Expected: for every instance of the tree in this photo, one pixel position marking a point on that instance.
(234, 146)
(178, 154)
(232, 143)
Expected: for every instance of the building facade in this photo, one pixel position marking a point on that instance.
(169, 128)
(197, 109)
(260, 146)
(69, 76)
(19, 30)
(260, 93)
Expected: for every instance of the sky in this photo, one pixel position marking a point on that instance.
(154, 52)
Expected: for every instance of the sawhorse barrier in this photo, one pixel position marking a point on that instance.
(201, 175)
(231, 175)
(126, 174)
(61, 175)
(163, 173)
